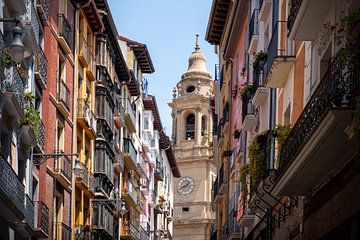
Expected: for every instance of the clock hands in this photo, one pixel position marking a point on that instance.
(184, 186)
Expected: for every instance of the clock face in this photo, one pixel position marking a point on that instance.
(185, 186)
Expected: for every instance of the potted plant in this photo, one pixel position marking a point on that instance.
(259, 61)
(236, 133)
(31, 120)
(281, 133)
(246, 91)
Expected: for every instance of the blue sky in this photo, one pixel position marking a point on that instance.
(168, 28)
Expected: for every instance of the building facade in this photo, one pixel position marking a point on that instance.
(291, 96)
(192, 139)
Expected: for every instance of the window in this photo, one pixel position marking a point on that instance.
(185, 209)
(190, 89)
(60, 137)
(190, 127)
(203, 125)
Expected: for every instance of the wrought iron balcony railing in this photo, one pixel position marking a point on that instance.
(86, 114)
(41, 67)
(61, 231)
(143, 234)
(254, 24)
(84, 177)
(337, 90)
(64, 28)
(63, 94)
(63, 166)
(13, 83)
(92, 183)
(86, 54)
(41, 217)
(43, 11)
(294, 8)
(103, 220)
(12, 190)
(29, 212)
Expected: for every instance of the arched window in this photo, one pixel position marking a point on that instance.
(190, 127)
(203, 125)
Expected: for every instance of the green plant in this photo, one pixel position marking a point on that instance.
(281, 133)
(247, 90)
(244, 172)
(348, 33)
(236, 133)
(32, 115)
(257, 156)
(5, 60)
(259, 57)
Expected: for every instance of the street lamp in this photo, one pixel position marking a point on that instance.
(16, 50)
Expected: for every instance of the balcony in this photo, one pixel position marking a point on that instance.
(133, 84)
(12, 193)
(119, 116)
(102, 222)
(26, 226)
(86, 118)
(119, 161)
(141, 202)
(253, 31)
(280, 58)
(104, 168)
(223, 177)
(41, 220)
(129, 193)
(64, 33)
(32, 25)
(141, 166)
(130, 231)
(261, 92)
(61, 231)
(264, 9)
(145, 186)
(42, 7)
(63, 98)
(41, 66)
(91, 184)
(235, 231)
(225, 118)
(305, 18)
(144, 235)
(82, 181)
(130, 119)
(159, 172)
(86, 58)
(248, 114)
(12, 92)
(62, 170)
(218, 197)
(130, 154)
(318, 142)
(246, 218)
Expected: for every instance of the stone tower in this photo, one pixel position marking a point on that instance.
(192, 136)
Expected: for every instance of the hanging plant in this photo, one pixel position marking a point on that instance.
(281, 133)
(227, 153)
(23, 72)
(244, 172)
(236, 133)
(5, 60)
(32, 115)
(259, 60)
(246, 91)
(348, 33)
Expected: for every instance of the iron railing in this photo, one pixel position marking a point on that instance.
(143, 234)
(247, 106)
(64, 28)
(84, 174)
(254, 24)
(92, 182)
(130, 190)
(279, 46)
(129, 149)
(29, 211)
(41, 216)
(30, 19)
(233, 226)
(15, 84)
(87, 53)
(41, 67)
(43, 10)
(11, 188)
(337, 90)
(85, 112)
(63, 166)
(129, 110)
(63, 94)
(294, 9)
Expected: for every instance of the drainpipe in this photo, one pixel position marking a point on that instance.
(229, 61)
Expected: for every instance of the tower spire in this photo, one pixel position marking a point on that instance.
(197, 47)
